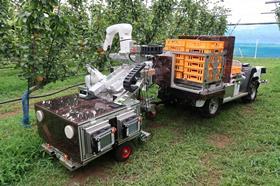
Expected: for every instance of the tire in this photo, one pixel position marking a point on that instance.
(166, 97)
(151, 115)
(170, 103)
(252, 92)
(123, 152)
(211, 107)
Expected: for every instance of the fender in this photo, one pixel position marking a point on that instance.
(249, 74)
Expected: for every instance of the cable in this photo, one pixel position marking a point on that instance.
(53, 93)
(41, 96)
(2, 68)
(129, 56)
(10, 101)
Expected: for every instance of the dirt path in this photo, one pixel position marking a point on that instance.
(219, 140)
(9, 114)
(99, 169)
(80, 176)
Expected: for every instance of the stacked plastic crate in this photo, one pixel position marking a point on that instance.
(202, 61)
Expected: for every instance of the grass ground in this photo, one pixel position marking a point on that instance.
(241, 146)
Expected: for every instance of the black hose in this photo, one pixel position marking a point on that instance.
(129, 56)
(3, 68)
(41, 96)
(10, 101)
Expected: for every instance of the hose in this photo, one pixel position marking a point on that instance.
(129, 56)
(3, 68)
(41, 96)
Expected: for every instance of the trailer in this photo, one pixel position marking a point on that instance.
(200, 71)
(77, 131)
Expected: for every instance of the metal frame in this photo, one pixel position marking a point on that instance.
(204, 84)
(102, 118)
(105, 133)
(228, 99)
(69, 164)
(85, 157)
(128, 133)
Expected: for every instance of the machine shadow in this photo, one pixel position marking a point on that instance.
(99, 169)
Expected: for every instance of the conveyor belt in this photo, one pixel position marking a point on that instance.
(130, 79)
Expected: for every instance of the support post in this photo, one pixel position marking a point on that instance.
(25, 108)
(256, 49)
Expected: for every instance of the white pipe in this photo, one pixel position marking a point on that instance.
(256, 49)
(240, 52)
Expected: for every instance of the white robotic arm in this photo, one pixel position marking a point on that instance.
(124, 30)
(93, 77)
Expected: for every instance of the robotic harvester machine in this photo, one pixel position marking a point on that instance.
(106, 114)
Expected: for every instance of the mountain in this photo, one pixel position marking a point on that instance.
(249, 34)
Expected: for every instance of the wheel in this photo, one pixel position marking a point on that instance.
(123, 152)
(166, 97)
(252, 92)
(151, 115)
(170, 103)
(211, 107)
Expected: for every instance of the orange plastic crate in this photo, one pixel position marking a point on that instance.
(189, 45)
(192, 58)
(204, 45)
(199, 61)
(179, 75)
(175, 45)
(199, 71)
(235, 70)
(177, 48)
(198, 76)
(166, 48)
(194, 71)
(175, 42)
(179, 68)
(180, 59)
(180, 62)
(193, 78)
(198, 65)
(203, 51)
(180, 56)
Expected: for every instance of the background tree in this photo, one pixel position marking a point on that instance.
(51, 40)
(7, 31)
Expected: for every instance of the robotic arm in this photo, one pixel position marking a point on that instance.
(124, 31)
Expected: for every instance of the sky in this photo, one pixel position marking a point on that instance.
(249, 11)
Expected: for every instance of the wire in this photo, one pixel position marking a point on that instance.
(41, 96)
(53, 93)
(1, 68)
(129, 56)
(10, 101)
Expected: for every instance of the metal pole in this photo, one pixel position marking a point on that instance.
(259, 23)
(270, 2)
(240, 52)
(25, 107)
(256, 49)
